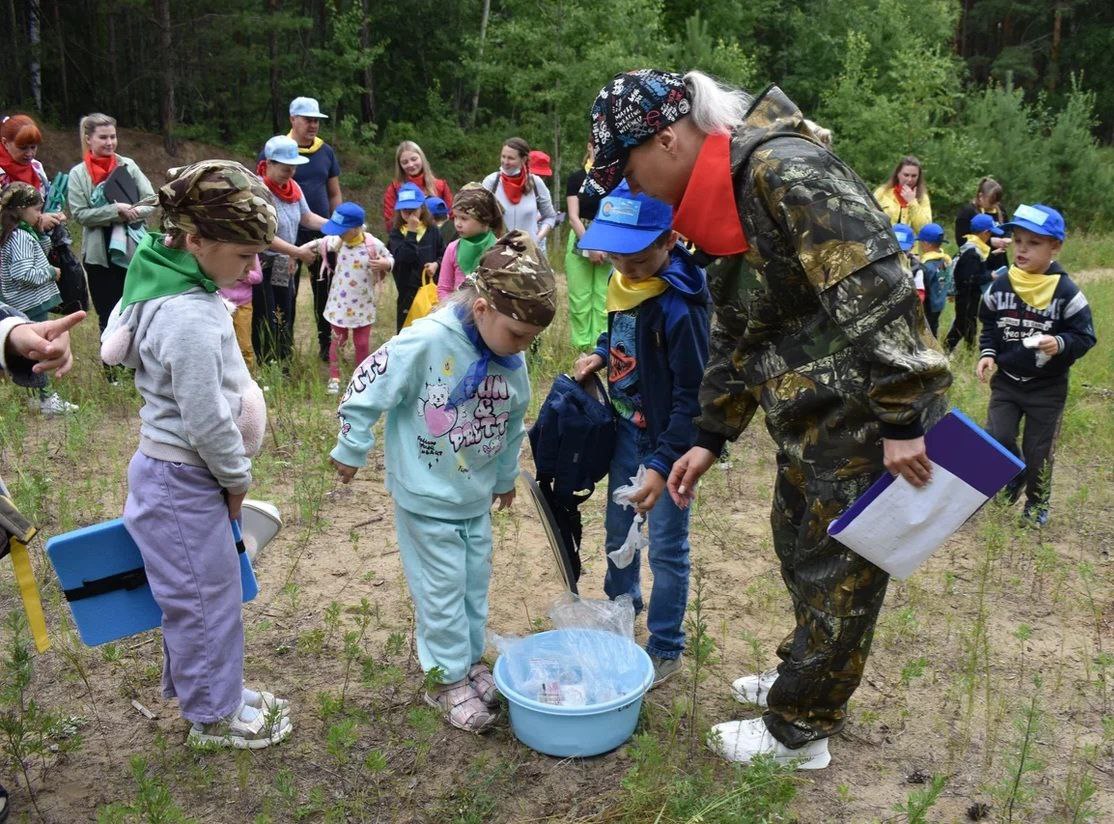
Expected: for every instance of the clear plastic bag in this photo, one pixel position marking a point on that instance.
(589, 659)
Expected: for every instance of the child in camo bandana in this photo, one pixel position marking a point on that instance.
(454, 389)
(203, 419)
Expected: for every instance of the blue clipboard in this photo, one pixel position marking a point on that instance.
(101, 573)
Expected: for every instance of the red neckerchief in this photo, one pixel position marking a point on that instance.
(23, 172)
(708, 215)
(513, 187)
(288, 193)
(99, 167)
(901, 202)
(419, 181)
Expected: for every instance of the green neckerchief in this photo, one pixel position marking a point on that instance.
(31, 230)
(469, 250)
(157, 271)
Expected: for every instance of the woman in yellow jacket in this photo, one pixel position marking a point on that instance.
(904, 197)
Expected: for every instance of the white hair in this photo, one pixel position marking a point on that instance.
(715, 107)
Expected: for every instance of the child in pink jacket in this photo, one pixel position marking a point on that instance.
(479, 221)
(239, 295)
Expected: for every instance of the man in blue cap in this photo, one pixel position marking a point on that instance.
(971, 276)
(319, 178)
(655, 348)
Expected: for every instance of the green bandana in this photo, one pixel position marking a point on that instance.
(469, 250)
(157, 271)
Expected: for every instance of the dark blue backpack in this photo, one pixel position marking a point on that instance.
(573, 437)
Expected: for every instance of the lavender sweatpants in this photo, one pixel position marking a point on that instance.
(178, 517)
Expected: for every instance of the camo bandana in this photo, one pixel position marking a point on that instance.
(218, 200)
(515, 278)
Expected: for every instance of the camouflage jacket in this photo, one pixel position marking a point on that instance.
(822, 291)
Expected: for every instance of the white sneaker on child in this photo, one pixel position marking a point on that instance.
(245, 729)
(741, 741)
(54, 405)
(266, 702)
(334, 386)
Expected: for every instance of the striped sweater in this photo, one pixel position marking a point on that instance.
(26, 276)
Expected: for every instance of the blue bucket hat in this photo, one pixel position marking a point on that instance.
(283, 149)
(1038, 219)
(346, 217)
(985, 223)
(904, 234)
(626, 223)
(931, 233)
(409, 197)
(437, 207)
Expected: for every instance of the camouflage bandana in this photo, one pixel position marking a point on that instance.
(477, 202)
(515, 278)
(218, 200)
(628, 111)
(19, 196)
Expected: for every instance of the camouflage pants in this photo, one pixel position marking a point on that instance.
(829, 452)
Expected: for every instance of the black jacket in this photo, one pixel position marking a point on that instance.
(1007, 320)
(971, 271)
(411, 255)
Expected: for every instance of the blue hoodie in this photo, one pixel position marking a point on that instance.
(442, 462)
(671, 345)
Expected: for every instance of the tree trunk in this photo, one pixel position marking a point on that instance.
(113, 83)
(62, 59)
(272, 51)
(1057, 41)
(367, 98)
(479, 59)
(33, 38)
(12, 61)
(166, 73)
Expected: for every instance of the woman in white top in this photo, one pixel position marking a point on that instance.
(524, 197)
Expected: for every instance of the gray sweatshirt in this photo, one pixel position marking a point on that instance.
(201, 406)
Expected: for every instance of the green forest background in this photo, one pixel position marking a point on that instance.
(1019, 89)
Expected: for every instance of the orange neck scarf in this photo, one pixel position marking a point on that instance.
(708, 214)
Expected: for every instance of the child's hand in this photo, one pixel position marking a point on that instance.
(504, 499)
(57, 274)
(414, 222)
(381, 265)
(984, 369)
(1049, 345)
(645, 498)
(235, 503)
(430, 269)
(586, 365)
(345, 472)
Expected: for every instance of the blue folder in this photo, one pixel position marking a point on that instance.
(103, 579)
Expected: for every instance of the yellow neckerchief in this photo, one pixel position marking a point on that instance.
(311, 148)
(588, 165)
(358, 240)
(980, 244)
(936, 254)
(1035, 290)
(623, 294)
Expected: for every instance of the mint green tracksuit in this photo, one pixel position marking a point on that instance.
(444, 463)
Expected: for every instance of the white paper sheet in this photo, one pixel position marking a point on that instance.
(900, 528)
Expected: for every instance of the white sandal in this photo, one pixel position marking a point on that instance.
(483, 682)
(245, 729)
(461, 706)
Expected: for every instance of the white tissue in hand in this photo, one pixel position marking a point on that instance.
(635, 540)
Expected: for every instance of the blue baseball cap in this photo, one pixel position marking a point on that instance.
(904, 234)
(985, 223)
(346, 217)
(306, 107)
(283, 149)
(931, 233)
(437, 207)
(409, 197)
(1038, 219)
(626, 223)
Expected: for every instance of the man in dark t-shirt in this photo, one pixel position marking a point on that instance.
(319, 180)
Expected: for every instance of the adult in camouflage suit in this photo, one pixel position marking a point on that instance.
(817, 321)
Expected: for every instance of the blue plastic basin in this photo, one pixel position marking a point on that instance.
(579, 731)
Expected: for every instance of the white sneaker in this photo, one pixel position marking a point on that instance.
(743, 740)
(54, 405)
(752, 689)
(245, 729)
(266, 702)
(334, 386)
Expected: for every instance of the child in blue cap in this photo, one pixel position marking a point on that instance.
(906, 239)
(936, 266)
(1035, 324)
(972, 276)
(417, 247)
(358, 262)
(655, 348)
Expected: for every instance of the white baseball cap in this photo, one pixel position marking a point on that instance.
(306, 107)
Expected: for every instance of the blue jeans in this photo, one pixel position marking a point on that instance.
(669, 549)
